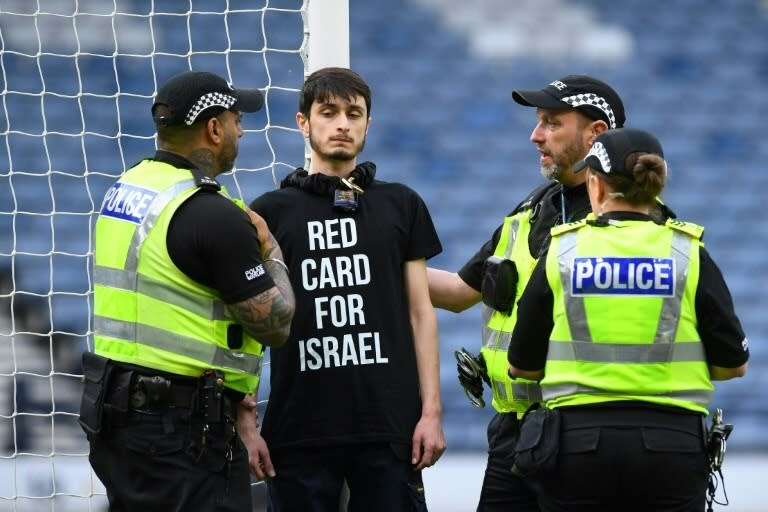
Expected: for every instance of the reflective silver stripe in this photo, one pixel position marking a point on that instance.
(496, 340)
(487, 313)
(513, 228)
(210, 309)
(699, 397)
(574, 306)
(492, 338)
(668, 318)
(521, 391)
(199, 350)
(153, 212)
(625, 353)
(501, 391)
(526, 391)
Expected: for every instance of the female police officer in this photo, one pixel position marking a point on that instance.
(626, 323)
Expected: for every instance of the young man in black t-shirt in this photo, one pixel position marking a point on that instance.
(355, 392)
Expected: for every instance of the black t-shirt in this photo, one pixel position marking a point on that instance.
(718, 326)
(347, 373)
(213, 242)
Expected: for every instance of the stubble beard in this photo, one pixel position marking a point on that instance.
(227, 158)
(564, 160)
(551, 172)
(338, 155)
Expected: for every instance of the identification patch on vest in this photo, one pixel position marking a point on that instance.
(127, 202)
(623, 276)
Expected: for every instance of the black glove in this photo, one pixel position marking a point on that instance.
(472, 373)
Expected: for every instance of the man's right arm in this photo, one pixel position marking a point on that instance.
(447, 290)
(457, 291)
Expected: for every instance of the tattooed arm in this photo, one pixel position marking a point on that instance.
(267, 316)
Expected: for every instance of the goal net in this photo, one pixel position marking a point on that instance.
(78, 78)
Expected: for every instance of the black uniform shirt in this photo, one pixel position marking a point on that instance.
(213, 242)
(719, 327)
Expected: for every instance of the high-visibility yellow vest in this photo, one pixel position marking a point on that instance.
(509, 395)
(624, 316)
(146, 311)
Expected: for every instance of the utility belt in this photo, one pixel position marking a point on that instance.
(113, 391)
(574, 417)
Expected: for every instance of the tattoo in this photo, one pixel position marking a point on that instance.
(204, 160)
(272, 250)
(282, 282)
(267, 316)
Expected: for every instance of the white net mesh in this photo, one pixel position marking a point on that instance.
(78, 77)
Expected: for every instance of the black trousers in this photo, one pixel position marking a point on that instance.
(627, 459)
(502, 491)
(159, 463)
(380, 479)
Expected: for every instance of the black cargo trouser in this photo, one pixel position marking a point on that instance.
(627, 459)
(503, 491)
(167, 458)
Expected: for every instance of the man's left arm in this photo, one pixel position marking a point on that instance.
(428, 437)
(248, 430)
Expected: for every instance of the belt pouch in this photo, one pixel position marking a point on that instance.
(96, 372)
(539, 442)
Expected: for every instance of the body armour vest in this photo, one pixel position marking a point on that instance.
(624, 316)
(146, 311)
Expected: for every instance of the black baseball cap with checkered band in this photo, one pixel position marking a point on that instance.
(593, 97)
(194, 96)
(609, 152)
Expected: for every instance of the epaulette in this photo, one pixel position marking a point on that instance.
(204, 181)
(689, 228)
(570, 226)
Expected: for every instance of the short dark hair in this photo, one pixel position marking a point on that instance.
(179, 134)
(328, 82)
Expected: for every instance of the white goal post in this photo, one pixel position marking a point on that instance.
(77, 80)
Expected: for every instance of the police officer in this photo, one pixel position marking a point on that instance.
(189, 286)
(626, 323)
(570, 113)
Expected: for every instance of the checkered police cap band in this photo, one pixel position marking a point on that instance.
(599, 151)
(593, 100)
(190, 95)
(611, 148)
(206, 101)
